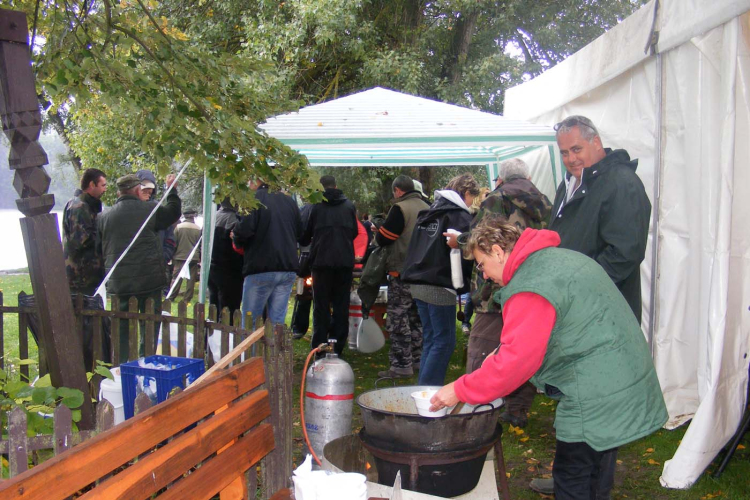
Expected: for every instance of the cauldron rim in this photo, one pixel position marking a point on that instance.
(487, 407)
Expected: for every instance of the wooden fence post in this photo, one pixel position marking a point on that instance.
(181, 331)
(150, 338)
(18, 453)
(63, 429)
(199, 331)
(114, 330)
(166, 347)
(132, 330)
(23, 343)
(277, 465)
(210, 331)
(2, 342)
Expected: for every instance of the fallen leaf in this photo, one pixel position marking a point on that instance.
(649, 450)
(531, 469)
(619, 462)
(524, 439)
(507, 474)
(531, 460)
(740, 446)
(651, 461)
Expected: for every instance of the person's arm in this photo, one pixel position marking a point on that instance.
(170, 213)
(309, 228)
(246, 228)
(392, 228)
(528, 321)
(82, 230)
(623, 225)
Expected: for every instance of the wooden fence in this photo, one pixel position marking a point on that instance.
(275, 470)
(148, 324)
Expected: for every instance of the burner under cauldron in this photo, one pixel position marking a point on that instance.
(445, 474)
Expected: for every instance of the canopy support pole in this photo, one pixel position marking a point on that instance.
(656, 197)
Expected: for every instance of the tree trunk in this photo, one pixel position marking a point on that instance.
(59, 125)
(463, 33)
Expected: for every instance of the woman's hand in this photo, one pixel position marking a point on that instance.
(445, 397)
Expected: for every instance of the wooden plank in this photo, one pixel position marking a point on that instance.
(49, 281)
(226, 360)
(150, 340)
(23, 344)
(210, 330)
(284, 494)
(167, 464)
(199, 331)
(166, 347)
(225, 320)
(18, 453)
(2, 338)
(181, 330)
(115, 330)
(132, 330)
(217, 473)
(63, 429)
(83, 464)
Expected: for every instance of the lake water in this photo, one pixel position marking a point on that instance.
(12, 251)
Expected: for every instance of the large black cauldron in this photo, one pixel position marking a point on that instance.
(439, 456)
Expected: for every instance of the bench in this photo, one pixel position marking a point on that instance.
(197, 444)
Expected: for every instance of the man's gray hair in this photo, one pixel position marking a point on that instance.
(585, 126)
(404, 183)
(515, 167)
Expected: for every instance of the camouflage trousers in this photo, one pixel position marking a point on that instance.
(403, 325)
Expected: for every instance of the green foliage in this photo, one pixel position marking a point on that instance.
(38, 401)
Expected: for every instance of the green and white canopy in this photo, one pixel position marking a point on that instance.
(381, 127)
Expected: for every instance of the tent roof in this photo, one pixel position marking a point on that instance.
(381, 127)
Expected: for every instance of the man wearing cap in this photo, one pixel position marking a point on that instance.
(187, 234)
(402, 319)
(141, 272)
(166, 236)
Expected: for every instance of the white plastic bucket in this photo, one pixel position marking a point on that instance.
(422, 399)
(111, 390)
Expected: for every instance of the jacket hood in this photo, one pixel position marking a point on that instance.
(452, 196)
(531, 240)
(334, 197)
(441, 205)
(524, 195)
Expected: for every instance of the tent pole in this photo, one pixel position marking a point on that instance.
(659, 90)
(208, 236)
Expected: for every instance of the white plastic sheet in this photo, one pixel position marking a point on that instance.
(702, 281)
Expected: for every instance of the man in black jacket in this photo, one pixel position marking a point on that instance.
(268, 236)
(142, 271)
(331, 229)
(225, 276)
(601, 208)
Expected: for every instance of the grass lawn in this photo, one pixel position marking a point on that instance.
(528, 452)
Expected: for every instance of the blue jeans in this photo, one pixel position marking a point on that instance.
(439, 341)
(270, 290)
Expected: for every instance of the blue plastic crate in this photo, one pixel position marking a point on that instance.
(174, 373)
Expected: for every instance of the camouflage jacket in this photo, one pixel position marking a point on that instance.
(83, 265)
(519, 201)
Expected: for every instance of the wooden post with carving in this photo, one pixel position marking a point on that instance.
(22, 123)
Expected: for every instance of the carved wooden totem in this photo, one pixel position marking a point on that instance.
(22, 124)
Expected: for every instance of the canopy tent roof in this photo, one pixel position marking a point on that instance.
(381, 127)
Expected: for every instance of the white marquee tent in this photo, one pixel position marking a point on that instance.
(671, 85)
(381, 127)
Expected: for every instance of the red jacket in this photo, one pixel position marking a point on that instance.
(528, 320)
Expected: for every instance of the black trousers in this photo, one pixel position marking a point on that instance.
(301, 321)
(225, 290)
(582, 473)
(331, 289)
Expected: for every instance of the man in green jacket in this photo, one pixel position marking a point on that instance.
(601, 208)
(141, 273)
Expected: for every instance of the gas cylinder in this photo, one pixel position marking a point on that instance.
(329, 396)
(355, 318)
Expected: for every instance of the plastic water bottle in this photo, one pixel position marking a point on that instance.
(457, 275)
